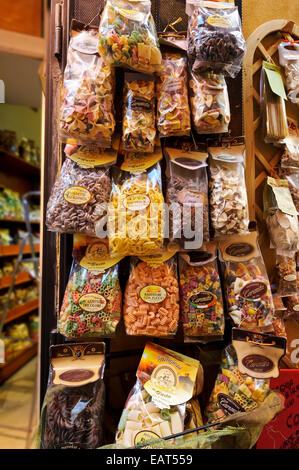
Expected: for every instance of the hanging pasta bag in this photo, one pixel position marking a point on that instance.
(92, 301)
(289, 59)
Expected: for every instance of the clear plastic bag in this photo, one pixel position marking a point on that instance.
(201, 295)
(128, 36)
(289, 60)
(139, 129)
(215, 39)
(290, 156)
(292, 177)
(78, 200)
(151, 300)
(136, 213)
(173, 112)
(286, 275)
(73, 409)
(228, 195)
(209, 103)
(86, 110)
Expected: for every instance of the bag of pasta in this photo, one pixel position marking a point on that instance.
(228, 196)
(209, 103)
(79, 198)
(289, 60)
(156, 405)
(139, 129)
(73, 409)
(151, 299)
(246, 284)
(187, 195)
(173, 112)
(128, 36)
(92, 301)
(292, 176)
(201, 295)
(136, 213)
(86, 109)
(286, 275)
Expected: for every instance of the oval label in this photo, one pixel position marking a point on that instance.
(296, 308)
(92, 302)
(239, 250)
(143, 436)
(257, 363)
(219, 21)
(76, 375)
(254, 290)
(96, 251)
(290, 277)
(136, 202)
(228, 405)
(165, 376)
(77, 195)
(153, 294)
(199, 256)
(202, 299)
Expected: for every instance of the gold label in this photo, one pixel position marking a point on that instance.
(97, 258)
(77, 195)
(131, 14)
(143, 436)
(219, 21)
(136, 202)
(92, 302)
(153, 294)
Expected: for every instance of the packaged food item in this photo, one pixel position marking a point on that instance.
(11, 206)
(5, 237)
(139, 129)
(176, 39)
(78, 199)
(17, 330)
(215, 39)
(228, 196)
(289, 60)
(91, 305)
(9, 141)
(247, 288)
(292, 177)
(33, 326)
(281, 216)
(173, 112)
(272, 103)
(201, 295)
(128, 36)
(292, 304)
(187, 194)
(280, 313)
(286, 275)
(73, 409)
(151, 300)
(86, 110)
(234, 392)
(156, 405)
(136, 212)
(209, 103)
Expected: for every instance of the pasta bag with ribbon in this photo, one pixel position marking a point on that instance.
(246, 284)
(92, 301)
(86, 109)
(128, 36)
(136, 212)
(201, 295)
(151, 299)
(156, 406)
(73, 409)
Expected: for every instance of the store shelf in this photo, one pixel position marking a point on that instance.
(17, 165)
(9, 368)
(20, 310)
(20, 279)
(13, 250)
(19, 221)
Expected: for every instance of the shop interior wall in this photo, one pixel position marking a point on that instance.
(22, 16)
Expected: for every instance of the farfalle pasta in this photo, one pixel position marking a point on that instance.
(86, 110)
(139, 129)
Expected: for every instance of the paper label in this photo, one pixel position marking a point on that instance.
(134, 15)
(254, 290)
(139, 162)
(143, 436)
(77, 195)
(219, 21)
(156, 259)
(136, 202)
(90, 157)
(97, 257)
(153, 294)
(92, 302)
(275, 80)
(228, 405)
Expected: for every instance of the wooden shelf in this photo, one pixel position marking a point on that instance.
(17, 165)
(5, 281)
(13, 250)
(20, 310)
(19, 221)
(9, 368)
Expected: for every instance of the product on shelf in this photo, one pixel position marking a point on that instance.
(289, 60)
(33, 325)
(209, 103)
(247, 288)
(290, 156)
(281, 216)
(9, 141)
(11, 206)
(286, 275)
(292, 305)
(228, 195)
(280, 313)
(139, 129)
(292, 177)
(135, 213)
(151, 300)
(173, 112)
(77, 201)
(156, 405)
(5, 237)
(215, 39)
(29, 152)
(91, 305)
(86, 110)
(73, 409)
(128, 36)
(201, 295)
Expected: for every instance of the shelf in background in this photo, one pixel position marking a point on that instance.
(9, 368)
(17, 165)
(13, 250)
(20, 310)
(19, 221)
(5, 281)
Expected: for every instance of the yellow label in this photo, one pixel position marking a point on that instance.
(143, 436)
(77, 195)
(219, 21)
(136, 202)
(92, 302)
(97, 258)
(90, 157)
(139, 162)
(153, 294)
(131, 14)
(164, 255)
